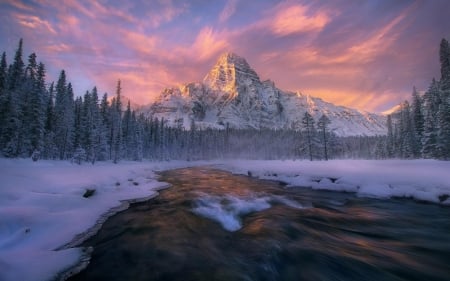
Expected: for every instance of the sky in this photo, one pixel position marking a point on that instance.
(365, 54)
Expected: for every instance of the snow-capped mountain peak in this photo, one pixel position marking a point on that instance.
(232, 93)
(229, 71)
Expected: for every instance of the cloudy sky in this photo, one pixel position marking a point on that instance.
(361, 53)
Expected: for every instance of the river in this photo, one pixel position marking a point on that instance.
(212, 225)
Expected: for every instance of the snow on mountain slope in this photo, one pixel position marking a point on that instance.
(232, 93)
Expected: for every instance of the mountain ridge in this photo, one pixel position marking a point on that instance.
(232, 93)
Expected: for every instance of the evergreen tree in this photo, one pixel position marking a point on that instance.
(50, 149)
(16, 71)
(390, 138)
(127, 132)
(3, 88)
(443, 135)
(64, 117)
(323, 123)
(444, 58)
(116, 126)
(418, 122)
(97, 136)
(406, 131)
(3, 73)
(37, 111)
(78, 125)
(11, 130)
(308, 127)
(431, 108)
(104, 129)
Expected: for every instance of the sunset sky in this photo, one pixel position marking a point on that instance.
(363, 54)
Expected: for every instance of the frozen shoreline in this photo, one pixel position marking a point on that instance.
(43, 214)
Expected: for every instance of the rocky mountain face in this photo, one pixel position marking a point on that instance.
(232, 93)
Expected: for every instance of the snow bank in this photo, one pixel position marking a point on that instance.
(42, 208)
(427, 180)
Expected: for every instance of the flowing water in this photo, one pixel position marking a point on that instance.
(212, 225)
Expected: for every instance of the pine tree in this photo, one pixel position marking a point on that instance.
(97, 136)
(3, 88)
(3, 73)
(443, 135)
(50, 149)
(116, 126)
(78, 129)
(10, 141)
(127, 132)
(418, 122)
(64, 117)
(37, 111)
(390, 138)
(105, 129)
(323, 123)
(431, 108)
(444, 58)
(16, 71)
(406, 131)
(308, 127)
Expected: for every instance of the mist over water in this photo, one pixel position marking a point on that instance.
(211, 225)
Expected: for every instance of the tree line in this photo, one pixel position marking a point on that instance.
(421, 127)
(48, 121)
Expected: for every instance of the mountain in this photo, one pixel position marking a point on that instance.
(232, 93)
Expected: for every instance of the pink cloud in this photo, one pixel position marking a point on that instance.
(297, 19)
(34, 22)
(208, 44)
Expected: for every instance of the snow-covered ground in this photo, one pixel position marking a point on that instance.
(42, 207)
(427, 180)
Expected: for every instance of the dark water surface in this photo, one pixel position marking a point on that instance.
(212, 225)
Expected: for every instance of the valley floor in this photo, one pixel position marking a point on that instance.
(42, 207)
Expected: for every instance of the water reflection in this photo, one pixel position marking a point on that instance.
(277, 234)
